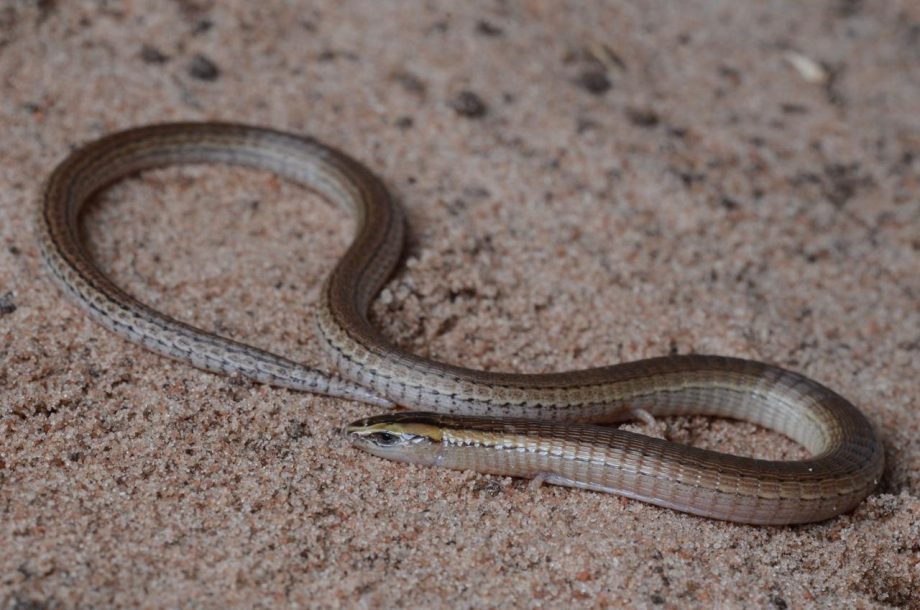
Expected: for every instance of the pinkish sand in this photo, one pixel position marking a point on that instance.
(587, 182)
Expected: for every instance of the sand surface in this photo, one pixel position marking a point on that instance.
(586, 183)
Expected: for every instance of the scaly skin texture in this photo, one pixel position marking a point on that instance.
(848, 458)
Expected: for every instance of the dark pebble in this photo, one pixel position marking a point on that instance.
(469, 105)
(595, 81)
(152, 55)
(730, 204)
(411, 83)
(643, 117)
(7, 306)
(487, 29)
(202, 26)
(203, 68)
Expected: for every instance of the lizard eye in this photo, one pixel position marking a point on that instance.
(384, 439)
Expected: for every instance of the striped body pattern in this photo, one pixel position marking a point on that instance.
(538, 426)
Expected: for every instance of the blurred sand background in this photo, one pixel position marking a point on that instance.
(586, 182)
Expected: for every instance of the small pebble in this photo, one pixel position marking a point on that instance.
(152, 55)
(203, 68)
(202, 26)
(469, 105)
(7, 306)
(643, 117)
(487, 29)
(595, 81)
